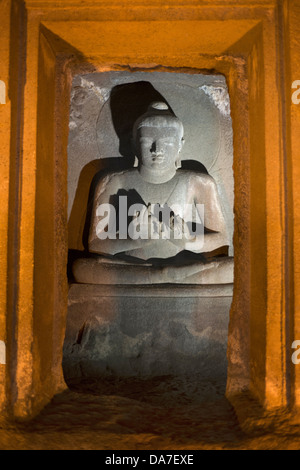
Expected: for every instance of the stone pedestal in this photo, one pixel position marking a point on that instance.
(146, 330)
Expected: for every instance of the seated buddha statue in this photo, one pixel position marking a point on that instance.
(156, 223)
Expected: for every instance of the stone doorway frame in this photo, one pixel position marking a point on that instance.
(50, 44)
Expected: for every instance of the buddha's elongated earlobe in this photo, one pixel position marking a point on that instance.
(133, 147)
(178, 163)
(178, 159)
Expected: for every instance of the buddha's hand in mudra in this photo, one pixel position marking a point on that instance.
(179, 231)
(146, 224)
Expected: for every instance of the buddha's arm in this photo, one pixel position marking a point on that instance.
(215, 233)
(206, 243)
(103, 237)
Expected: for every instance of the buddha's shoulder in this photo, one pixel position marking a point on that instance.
(194, 177)
(115, 178)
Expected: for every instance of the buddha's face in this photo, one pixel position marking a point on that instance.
(158, 147)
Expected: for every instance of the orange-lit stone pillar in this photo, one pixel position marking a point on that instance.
(292, 18)
(4, 186)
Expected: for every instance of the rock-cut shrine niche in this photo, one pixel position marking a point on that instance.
(150, 226)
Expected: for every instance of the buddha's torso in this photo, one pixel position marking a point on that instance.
(182, 189)
(181, 192)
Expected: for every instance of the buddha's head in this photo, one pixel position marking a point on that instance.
(158, 140)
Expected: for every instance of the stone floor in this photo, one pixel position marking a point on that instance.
(131, 414)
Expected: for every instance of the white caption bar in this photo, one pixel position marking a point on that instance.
(2, 92)
(2, 353)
